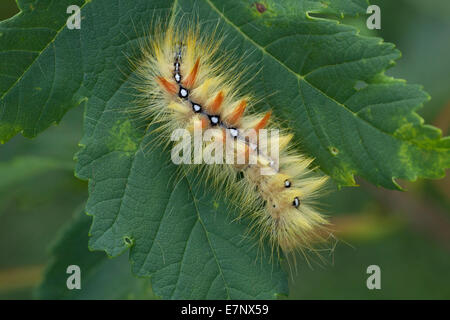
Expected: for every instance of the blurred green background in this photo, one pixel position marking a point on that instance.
(407, 234)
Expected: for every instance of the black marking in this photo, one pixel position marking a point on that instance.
(183, 93)
(234, 132)
(177, 66)
(287, 183)
(214, 120)
(296, 202)
(196, 107)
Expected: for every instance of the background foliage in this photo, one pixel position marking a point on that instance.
(407, 234)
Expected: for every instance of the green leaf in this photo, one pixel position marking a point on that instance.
(330, 84)
(101, 277)
(41, 71)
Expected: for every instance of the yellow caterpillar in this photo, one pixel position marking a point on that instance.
(184, 82)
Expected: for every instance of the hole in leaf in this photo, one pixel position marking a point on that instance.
(334, 151)
(128, 241)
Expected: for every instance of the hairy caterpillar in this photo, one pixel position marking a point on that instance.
(184, 82)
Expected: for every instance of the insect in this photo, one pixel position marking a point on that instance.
(186, 82)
